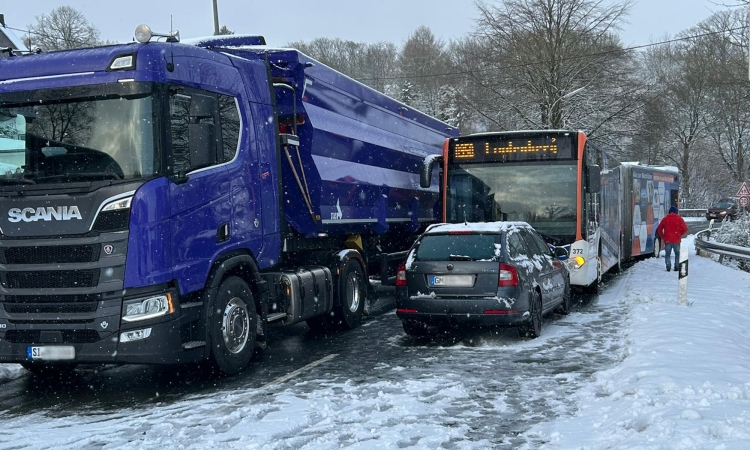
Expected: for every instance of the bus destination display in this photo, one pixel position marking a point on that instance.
(506, 149)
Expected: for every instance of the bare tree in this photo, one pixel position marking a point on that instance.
(423, 62)
(224, 30)
(372, 64)
(683, 70)
(730, 117)
(64, 28)
(537, 58)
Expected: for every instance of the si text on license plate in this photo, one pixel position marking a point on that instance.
(451, 280)
(51, 353)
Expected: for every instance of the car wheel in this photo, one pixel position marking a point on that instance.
(416, 329)
(564, 308)
(657, 247)
(533, 328)
(233, 323)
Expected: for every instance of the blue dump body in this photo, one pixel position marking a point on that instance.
(361, 150)
(181, 166)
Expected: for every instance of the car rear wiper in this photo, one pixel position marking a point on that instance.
(459, 258)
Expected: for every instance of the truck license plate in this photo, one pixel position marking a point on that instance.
(53, 353)
(452, 280)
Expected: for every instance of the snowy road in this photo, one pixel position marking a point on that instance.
(369, 387)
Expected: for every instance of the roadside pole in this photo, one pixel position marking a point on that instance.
(682, 269)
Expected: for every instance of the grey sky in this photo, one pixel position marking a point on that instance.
(357, 20)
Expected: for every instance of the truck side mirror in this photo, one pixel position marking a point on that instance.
(425, 176)
(595, 180)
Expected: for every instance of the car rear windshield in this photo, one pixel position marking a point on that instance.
(457, 247)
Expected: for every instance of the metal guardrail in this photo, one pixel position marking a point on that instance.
(702, 244)
(693, 212)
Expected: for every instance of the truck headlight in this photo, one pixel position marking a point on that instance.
(114, 215)
(147, 308)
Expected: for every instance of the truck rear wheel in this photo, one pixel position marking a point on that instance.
(232, 326)
(351, 293)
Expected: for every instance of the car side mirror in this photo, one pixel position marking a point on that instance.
(560, 252)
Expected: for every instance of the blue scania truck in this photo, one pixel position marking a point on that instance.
(167, 202)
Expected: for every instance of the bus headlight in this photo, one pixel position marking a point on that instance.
(576, 262)
(147, 308)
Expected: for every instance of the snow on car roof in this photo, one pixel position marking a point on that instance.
(478, 227)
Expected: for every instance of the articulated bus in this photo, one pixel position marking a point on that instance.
(599, 211)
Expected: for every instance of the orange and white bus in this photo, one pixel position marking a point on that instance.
(599, 211)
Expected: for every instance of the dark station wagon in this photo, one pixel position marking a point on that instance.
(480, 274)
(723, 209)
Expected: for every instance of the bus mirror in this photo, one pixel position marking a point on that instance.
(425, 177)
(595, 180)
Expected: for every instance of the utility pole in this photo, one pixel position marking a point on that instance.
(216, 18)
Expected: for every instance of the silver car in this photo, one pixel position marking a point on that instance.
(486, 274)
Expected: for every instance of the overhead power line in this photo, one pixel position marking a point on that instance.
(570, 58)
(516, 66)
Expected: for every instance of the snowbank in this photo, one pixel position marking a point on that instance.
(685, 380)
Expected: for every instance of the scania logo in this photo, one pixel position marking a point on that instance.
(46, 214)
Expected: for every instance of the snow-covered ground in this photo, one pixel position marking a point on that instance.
(685, 380)
(674, 377)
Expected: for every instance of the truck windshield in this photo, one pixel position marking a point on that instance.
(103, 132)
(542, 195)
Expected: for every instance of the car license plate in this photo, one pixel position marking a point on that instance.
(451, 280)
(51, 353)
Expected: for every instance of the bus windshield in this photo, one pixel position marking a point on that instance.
(542, 195)
(75, 134)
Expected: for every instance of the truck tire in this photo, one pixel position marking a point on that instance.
(232, 326)
(351, 293)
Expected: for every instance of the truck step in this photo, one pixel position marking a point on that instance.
(193, 344)
(276, 316)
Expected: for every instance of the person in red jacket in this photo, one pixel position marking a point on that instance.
(671, 229)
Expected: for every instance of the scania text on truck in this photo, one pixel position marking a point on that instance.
(166, 202)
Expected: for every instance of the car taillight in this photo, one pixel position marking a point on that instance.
(401, 275)
(508, 275)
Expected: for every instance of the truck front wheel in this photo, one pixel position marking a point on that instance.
(232, 323)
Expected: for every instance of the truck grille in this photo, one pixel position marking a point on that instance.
(60, 304)
(51, 279)
(51, 255)
(68, 336)
(63, 308)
